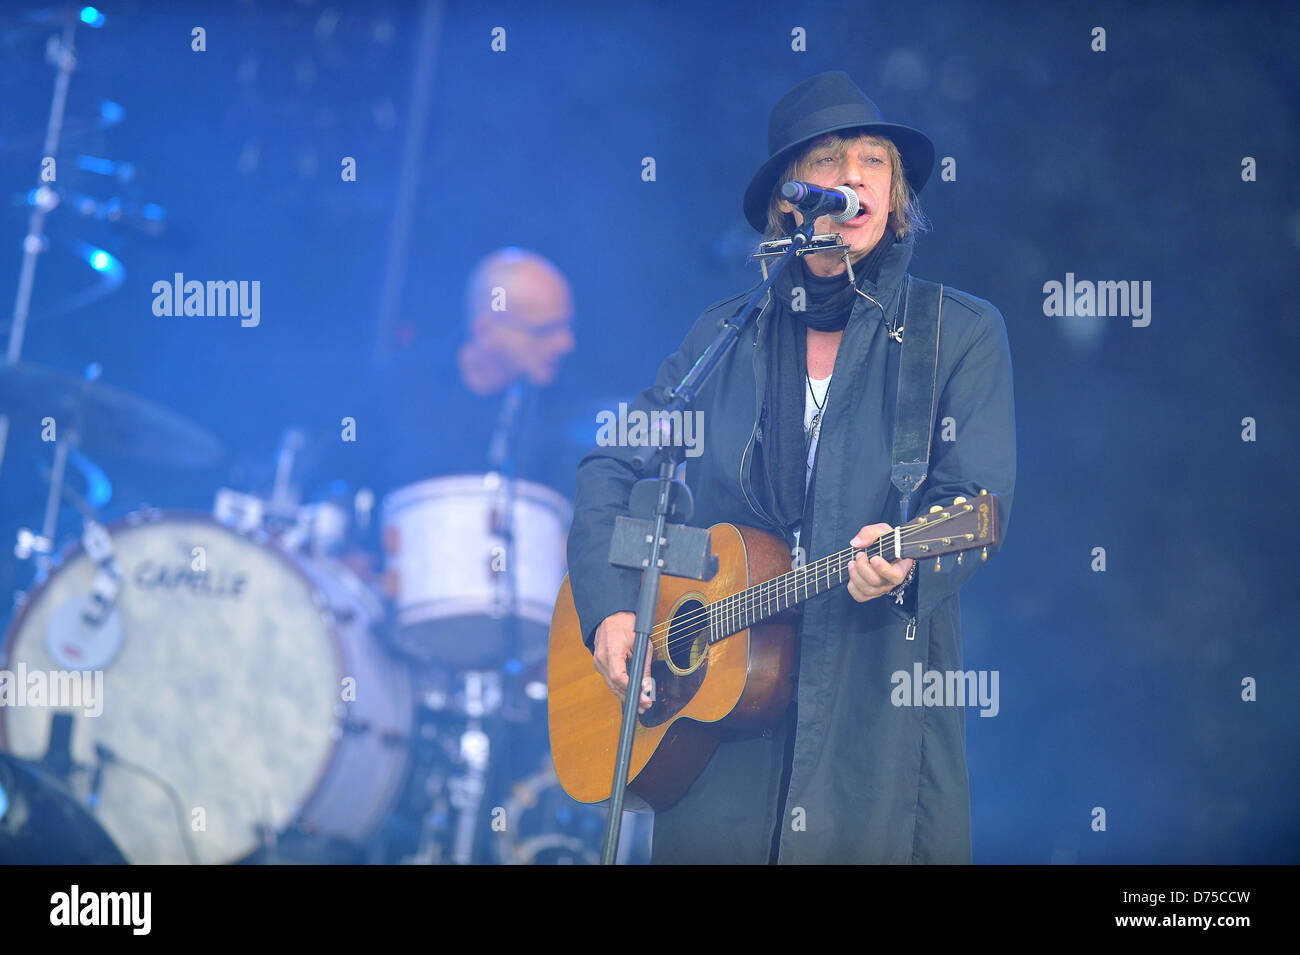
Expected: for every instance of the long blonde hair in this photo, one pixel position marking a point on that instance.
(906, 217)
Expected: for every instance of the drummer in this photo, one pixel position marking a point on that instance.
(443, 406)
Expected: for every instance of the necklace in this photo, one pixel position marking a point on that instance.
(816, 404)
(814, 429)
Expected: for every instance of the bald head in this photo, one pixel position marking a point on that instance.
(519, 308)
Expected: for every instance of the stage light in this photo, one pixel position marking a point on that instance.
(92, 17)
(102, 261)
(110, 113)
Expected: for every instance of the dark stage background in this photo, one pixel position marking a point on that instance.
(1120, 689)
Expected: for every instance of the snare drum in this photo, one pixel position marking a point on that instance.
(449, 562)
(243, 690)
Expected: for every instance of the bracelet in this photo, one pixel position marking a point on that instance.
(897, 592)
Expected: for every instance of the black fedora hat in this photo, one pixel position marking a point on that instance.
(828, 103)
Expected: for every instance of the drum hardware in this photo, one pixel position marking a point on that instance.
(363, 506)
(28, 544)
(54, 495)
(57, 761)
(546, 827)
(106, 757)
(524, 847)
(423, 819)
(242, 513)
(108, 579)
(467, 789)
(60, 52)
(467, 769)
(455, 780)
(285, 495)
(435, 819)
(316, 530)
(501, 521)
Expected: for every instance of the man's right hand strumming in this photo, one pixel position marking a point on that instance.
(615, 638)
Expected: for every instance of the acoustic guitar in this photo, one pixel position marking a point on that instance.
(722, 653)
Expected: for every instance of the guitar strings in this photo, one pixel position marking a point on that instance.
(718, 609)
(835, 562)
(831, 564)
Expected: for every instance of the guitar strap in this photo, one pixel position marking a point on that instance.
(918, 369)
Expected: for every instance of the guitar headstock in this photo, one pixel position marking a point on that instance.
(965, 524)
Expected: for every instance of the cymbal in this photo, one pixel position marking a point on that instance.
(103, 419)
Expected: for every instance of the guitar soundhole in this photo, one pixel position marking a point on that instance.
(687, 635)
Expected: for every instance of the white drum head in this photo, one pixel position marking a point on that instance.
(449, 566)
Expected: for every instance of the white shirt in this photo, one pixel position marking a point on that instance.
(814, 394)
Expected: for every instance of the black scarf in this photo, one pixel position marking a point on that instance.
(828, 303)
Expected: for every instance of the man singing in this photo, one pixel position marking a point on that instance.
(798, 423)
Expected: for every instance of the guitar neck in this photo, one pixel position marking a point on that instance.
(764, 601)
(960, 526)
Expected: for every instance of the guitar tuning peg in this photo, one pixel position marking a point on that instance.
(959, 500)
(984, 490)
(936, 508)
(938, 564)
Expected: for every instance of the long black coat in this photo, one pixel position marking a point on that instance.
(868, 781)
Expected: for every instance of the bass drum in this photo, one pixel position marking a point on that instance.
(243, 691)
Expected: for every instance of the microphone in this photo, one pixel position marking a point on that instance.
(499, 447)
(840, 203)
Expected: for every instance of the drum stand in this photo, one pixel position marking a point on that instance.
(467, 789)
(61, 53)
(462, 789)
(49, 526)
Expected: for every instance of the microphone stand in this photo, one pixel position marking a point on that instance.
(646, 544)
(502, 460)
(62, 53)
